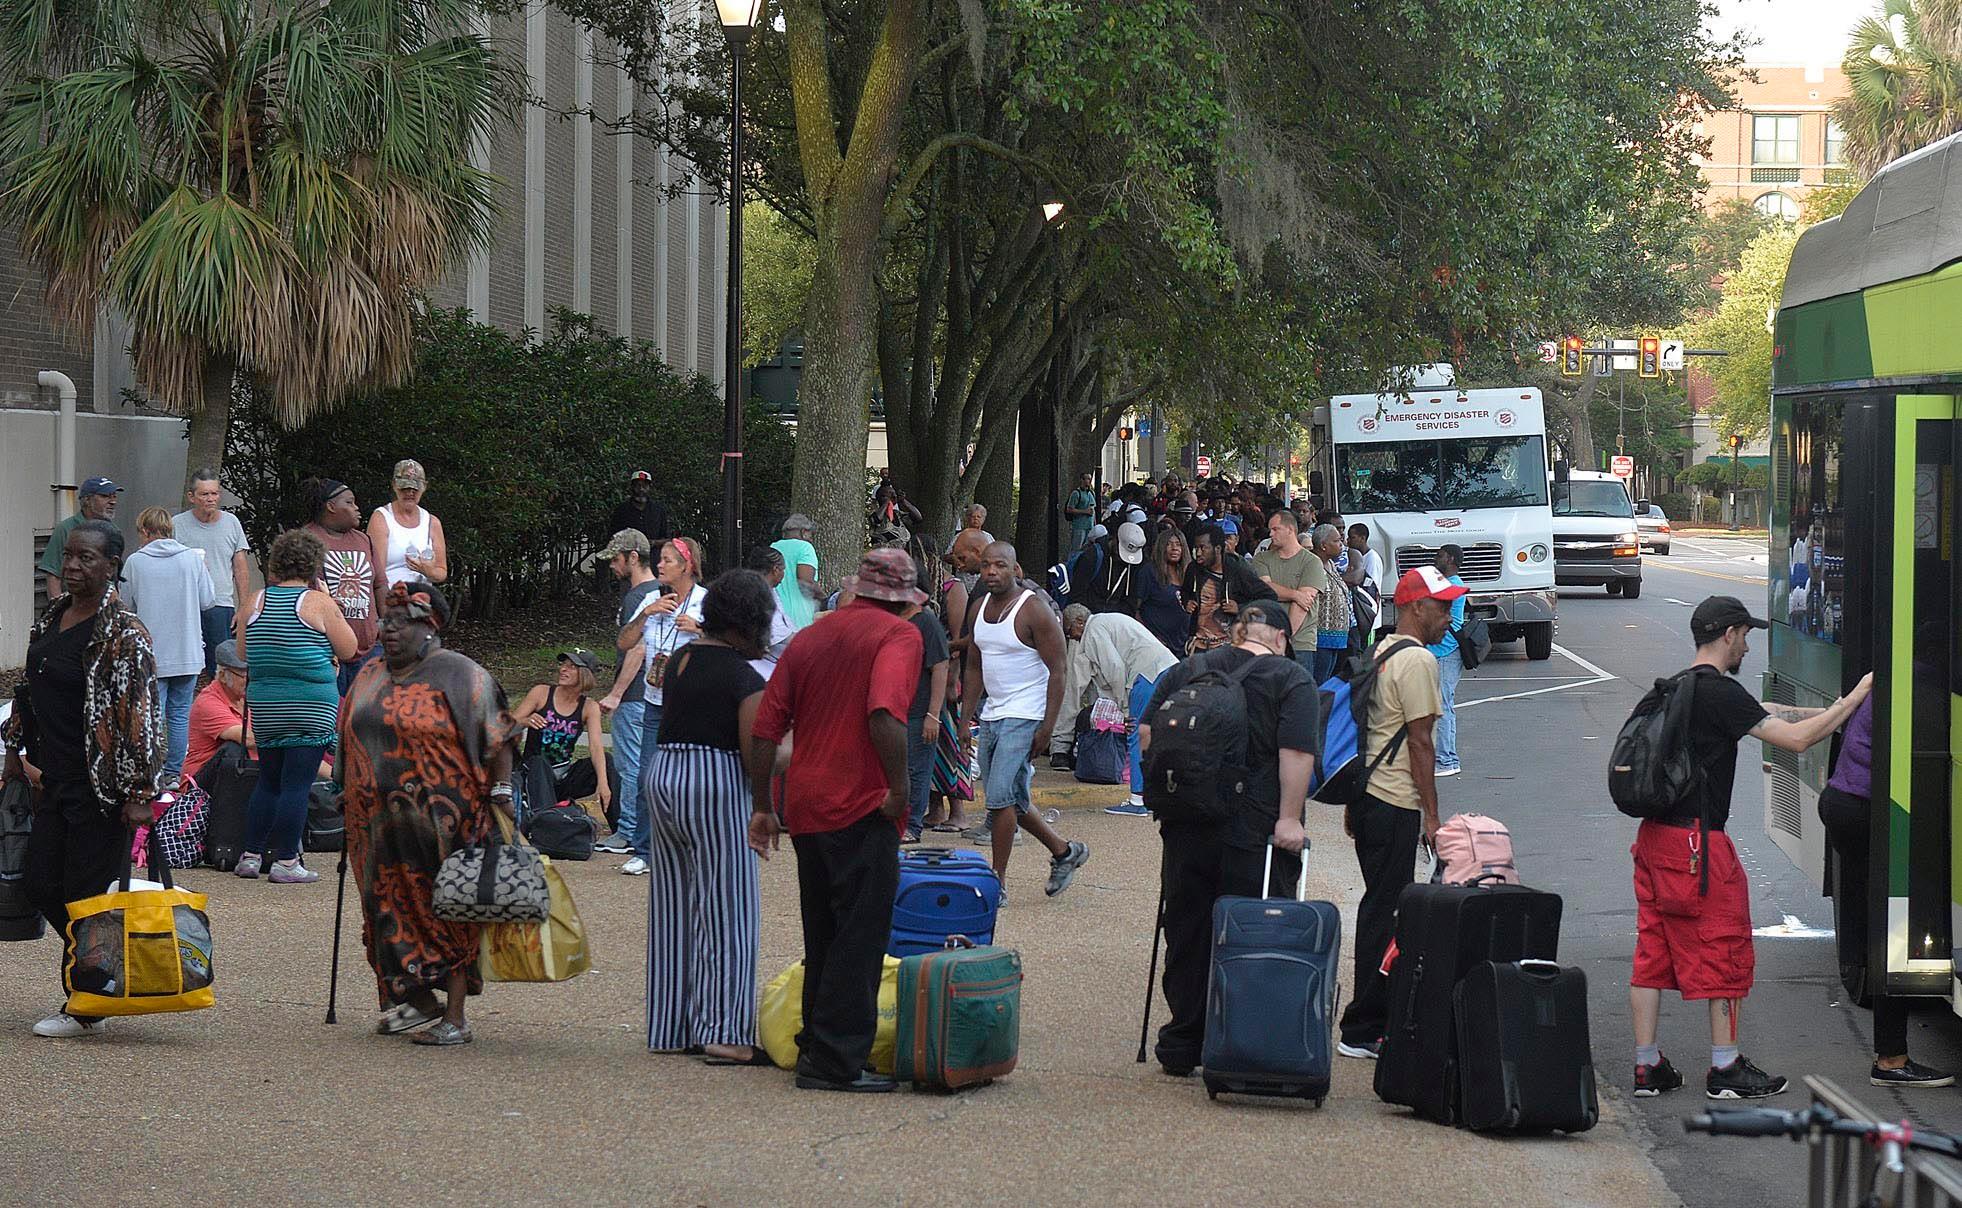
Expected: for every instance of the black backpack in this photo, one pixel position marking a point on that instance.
(1197, 761)
(1474, 641)
(326, 828)
(1652, 769)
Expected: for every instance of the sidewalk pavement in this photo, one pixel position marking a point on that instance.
(258, 1102)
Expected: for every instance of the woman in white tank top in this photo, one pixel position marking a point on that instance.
(408, 538)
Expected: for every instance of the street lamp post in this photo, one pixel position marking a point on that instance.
(738, 20)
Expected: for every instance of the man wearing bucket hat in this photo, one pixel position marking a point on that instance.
(845, 684)
(1399, 805)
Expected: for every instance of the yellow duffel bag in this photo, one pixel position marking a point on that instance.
(780, 1016)
(139, 951)
(552, 949)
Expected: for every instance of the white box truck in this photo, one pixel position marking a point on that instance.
(1431, 464)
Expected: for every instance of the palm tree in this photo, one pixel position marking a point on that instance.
(1904, 75)
(259, 186)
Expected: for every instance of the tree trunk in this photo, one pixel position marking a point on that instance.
(1036, 441)
(212, 418)
(994, 488)
(1581, 452)
(833, 408)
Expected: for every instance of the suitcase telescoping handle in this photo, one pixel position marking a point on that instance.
(1267, 873)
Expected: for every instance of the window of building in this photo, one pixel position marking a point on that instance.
(1775, 138)
(1835, 143)
(1777, 205)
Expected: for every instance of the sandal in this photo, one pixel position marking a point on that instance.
(445, 1034)
(403, 1017)
(757, 1057)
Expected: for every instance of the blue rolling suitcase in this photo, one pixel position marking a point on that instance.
(943, 892)
(1270, 1008)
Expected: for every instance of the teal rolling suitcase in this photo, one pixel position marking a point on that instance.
(960, 1016)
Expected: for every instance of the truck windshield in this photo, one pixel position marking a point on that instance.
(1582, 497)
(1430, 475)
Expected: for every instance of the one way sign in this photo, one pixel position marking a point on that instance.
(1672, 354)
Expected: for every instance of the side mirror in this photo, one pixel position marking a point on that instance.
(1642, 506)
(1560, 471)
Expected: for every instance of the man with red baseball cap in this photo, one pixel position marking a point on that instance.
(1399, 806)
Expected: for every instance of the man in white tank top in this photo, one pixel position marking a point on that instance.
(1017, 657)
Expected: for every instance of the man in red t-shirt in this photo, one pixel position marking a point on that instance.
(845, 684)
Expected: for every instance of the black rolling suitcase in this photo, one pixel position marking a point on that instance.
(228, 778)
(1442, 932)
(1524, 1064)
(1270, 1006)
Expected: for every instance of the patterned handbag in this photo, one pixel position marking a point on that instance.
(181, 829)
(495, 882)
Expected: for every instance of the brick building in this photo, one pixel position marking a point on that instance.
(1779, 143)
(583, 222)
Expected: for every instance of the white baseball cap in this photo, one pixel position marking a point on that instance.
(1130, 543)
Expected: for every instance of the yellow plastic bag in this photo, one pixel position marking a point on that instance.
(138, 951)
(780, 1016)
(550, 950)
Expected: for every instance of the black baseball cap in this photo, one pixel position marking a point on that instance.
(1268, 612)
(580, 658)
(1718, 613)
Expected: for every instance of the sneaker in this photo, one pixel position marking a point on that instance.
(1742, 1080)
(1911, 1074)
(1362, 1052)
(635, 867)
(1441, 773)
(1652, 1080)
(247, 866)
(292, 872)
(1062, 869)
(63, 1026)
(911, 836)
(614, 845)
(1061, 762)
(1130, 809)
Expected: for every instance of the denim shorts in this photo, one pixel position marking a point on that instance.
(1006, 773)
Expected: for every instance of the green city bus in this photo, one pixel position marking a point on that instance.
(1866, 394)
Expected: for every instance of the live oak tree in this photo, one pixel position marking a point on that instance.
(257, 186)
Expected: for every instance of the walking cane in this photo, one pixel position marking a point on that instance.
(334, 973)
(1151, 978)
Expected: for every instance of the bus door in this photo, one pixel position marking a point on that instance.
(1918, 717)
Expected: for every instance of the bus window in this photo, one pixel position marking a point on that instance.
(1930, 554)
(1808, 586)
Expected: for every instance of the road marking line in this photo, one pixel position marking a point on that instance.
(1674, 600)
(1590, 667)
(1711, 574)
(1600, 677)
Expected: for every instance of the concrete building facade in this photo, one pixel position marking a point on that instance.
(584, 222)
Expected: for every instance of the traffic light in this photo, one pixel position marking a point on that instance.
(1124, 433)
(1648, 362)
(1570, 356)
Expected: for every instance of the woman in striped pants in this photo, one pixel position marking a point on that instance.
(702, 901)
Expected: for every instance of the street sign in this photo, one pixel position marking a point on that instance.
(1144, 429)
(1672, 355)
(1623, 362)
(1205, 466)
(1622, 467)
(1604, 365)
(1549, 352)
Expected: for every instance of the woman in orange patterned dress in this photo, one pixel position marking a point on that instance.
(425, 757)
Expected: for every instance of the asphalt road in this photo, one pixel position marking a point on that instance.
(1534, 739)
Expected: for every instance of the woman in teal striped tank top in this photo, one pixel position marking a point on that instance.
(294, 634)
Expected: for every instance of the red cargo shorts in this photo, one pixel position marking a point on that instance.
(1684, 941)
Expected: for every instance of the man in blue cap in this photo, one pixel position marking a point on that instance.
(97, 499)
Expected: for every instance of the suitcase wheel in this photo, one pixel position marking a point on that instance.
(1211, 1093)
(1318, 1102)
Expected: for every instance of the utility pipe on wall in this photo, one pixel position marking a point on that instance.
(64, 485)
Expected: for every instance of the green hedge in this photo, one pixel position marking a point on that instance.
(527, 446)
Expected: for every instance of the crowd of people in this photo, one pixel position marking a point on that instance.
(749, 703)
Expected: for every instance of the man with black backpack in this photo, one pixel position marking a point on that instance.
(1398, 805)
(1230, 741)
(1673, 766)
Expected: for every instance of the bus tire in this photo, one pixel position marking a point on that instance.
(1631, 589)
(1539, 641)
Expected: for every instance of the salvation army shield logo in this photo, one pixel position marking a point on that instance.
(1505, 419)
(1366, 424)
